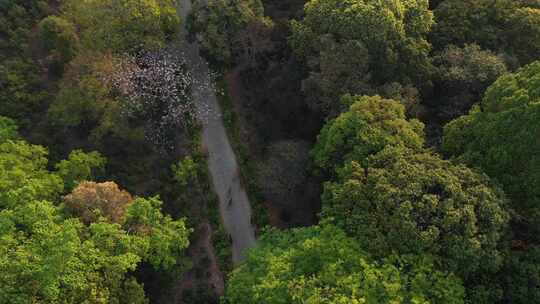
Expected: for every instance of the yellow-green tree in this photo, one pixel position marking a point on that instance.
(320, 264)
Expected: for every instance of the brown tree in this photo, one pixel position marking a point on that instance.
(90, 200)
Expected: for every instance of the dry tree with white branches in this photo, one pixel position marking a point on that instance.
(156, 90)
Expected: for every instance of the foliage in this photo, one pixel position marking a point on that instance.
(522, 280)
(322, 265)
(387, 41)
(59, 38)
(80, 166)
(501, 137)
(25, 176)
(122, 25)
(416, 203)
(334, 75)
(167, 238)
(222, 24)
(8, 129)
(186, 172)
(21, 88)
(462, 76)
(45, 258)
(502, 25)
(90, 201)
(371, 124)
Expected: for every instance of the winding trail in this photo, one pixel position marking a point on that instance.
(234, 205)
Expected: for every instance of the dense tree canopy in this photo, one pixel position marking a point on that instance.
(123, 25)
(59, 38)
(501, 137)
(502, 25)
(370, 124)
(221, 25)
(322, 265)
(461, 77)
(387, 39)
(417, 203)
(47, 256)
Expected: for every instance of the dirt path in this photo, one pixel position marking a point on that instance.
(234, 204)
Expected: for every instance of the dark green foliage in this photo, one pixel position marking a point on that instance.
(461, 78)
(382, 41)
(501, 137)
(221, 26)
(59, 38)
(501, 25)
(21, 86)
(522, 280)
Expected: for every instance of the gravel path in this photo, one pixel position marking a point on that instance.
(234, 204)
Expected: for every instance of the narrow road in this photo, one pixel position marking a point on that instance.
(234, 205)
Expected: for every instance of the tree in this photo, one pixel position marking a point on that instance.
(156, 87)
(168, 238)
(50, 259)
(503, 26)
(341, 68)
(80, 166)
(387, 40)
(462, 76)
(321, 265)
(59, 38)
(48, 256)
(415, 203)
(221, 23)
(371, 124)
(123, 26)
(501, 137)
(522, 276)
(25, 176)
(8, 129)
(90, 200)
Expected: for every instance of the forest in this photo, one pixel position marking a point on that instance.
(270, 151)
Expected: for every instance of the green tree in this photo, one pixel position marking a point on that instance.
(461, 78)
(501, 25)
(321, 265)
(522, 276)
(371, 124)
(80, 166)
(45, 258)
(25, 176)
(8, 129)
(501, 137)
(387, 38)
(59, 37)
(168, 238)
(123, 25)
(221, 22)
(415, 203)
